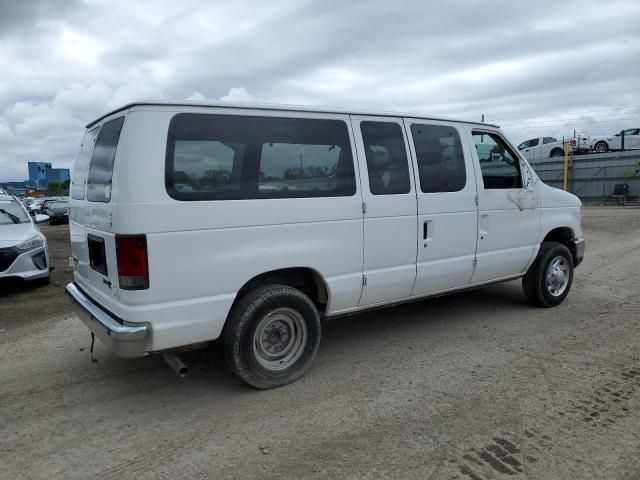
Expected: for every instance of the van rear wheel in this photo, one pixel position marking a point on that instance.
(548, 281)
(272, 336)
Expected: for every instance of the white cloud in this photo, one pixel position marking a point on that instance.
(238, 94)
(63, 65)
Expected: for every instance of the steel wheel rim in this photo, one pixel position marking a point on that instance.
(557, 277)
(279, 339)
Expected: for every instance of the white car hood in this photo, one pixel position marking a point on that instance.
(14, 234)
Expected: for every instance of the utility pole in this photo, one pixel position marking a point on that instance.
(482, 118)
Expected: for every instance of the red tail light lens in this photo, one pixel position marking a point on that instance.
(133, 267)
(573, 142)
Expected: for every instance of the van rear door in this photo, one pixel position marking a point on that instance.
(92, 237)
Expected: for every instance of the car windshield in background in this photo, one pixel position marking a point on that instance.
(59, 206)
(11, 212)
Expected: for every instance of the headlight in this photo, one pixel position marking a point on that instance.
(34, 242)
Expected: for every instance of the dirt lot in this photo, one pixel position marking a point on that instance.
(471, 386)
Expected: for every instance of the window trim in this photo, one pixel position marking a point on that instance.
(407, 152)
(243, 194)
(86, 173)
(509, 147)
(459, 133)
(113, 167)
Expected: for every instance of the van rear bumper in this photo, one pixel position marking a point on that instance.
(122, 338)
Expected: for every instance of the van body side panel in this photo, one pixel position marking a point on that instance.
(447, 220)
(201, 253)
(390, 219)
(508, 220)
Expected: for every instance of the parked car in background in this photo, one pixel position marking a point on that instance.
(23, 248)
(613, 142)
(58, 212)
(541, 148)
(293, 214)
(35, 207)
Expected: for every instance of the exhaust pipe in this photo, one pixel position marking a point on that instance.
(176, 364)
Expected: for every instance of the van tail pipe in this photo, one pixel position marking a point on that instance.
(176, 364)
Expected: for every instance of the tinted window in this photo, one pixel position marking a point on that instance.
(79, 175)
(241, 157)
(386, 158)
(534, 142)
(440, 158)
(101, 167)
(499, 165)
(548, 140)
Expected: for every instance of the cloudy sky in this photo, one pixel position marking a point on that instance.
(543, 67)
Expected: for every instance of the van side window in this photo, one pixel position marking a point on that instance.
(386, 158)
(212, 165)
(499, 165)
(222, 157)
(440, 159)
(546, 140)
(101, 167)
(80, 168)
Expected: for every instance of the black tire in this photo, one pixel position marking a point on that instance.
(601, 147)
(534, 283)
(557, 153)
(241, 348)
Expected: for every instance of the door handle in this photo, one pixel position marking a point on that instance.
(425, 232)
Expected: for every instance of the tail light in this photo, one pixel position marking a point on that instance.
(573, 143)
(133, 267)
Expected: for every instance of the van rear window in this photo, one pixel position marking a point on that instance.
(80, 168)
(218, 157)
(101, 167)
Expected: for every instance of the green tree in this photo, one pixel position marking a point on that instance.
(53, 188)
(65, 187)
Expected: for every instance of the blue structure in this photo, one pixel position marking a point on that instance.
(38, 173)
(58, 175)
(41, 173)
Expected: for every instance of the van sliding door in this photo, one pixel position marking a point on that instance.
(389, 206)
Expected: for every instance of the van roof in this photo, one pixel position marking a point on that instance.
(290, 108)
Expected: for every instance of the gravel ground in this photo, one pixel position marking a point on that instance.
(474, 386)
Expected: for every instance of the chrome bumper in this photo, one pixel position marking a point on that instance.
(122, 338)
(578, 250)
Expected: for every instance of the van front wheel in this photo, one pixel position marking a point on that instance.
(548, 281)
(271, 336)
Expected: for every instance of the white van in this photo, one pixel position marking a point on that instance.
(191, 222)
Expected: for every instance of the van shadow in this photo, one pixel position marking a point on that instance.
(209, 375)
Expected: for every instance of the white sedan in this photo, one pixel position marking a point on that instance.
(614, 141)
(23, 248)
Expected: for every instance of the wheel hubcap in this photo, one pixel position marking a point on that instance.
(279, 338)
(557, 276)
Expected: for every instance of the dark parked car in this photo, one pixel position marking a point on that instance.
(58, 212)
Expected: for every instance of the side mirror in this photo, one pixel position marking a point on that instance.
(39, 218)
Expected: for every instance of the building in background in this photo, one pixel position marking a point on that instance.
(58, 174)
(41, 173)
(38, 173)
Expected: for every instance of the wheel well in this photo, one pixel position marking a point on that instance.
(304, 279)
(562, 235)
(556, 150)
